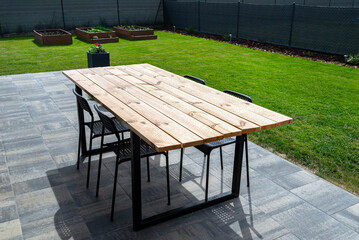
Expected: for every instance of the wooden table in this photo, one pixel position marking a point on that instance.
(171, 112)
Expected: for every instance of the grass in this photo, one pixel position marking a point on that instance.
(322, 98)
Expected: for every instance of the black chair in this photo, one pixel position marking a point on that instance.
(122, 149)
(196, 79)
(208, 147)
(95, 130)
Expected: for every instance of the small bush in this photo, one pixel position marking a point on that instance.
(189, 30)
(226, 38)
(353, 59)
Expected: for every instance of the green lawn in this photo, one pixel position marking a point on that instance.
(323, 99)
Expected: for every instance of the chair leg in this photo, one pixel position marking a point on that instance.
(89, 162)
(207, 178)
(220, 151)
(114, 189)
(168, 181)
(247, 166)
(148, 170)
(78, 151)
(99, 167)
(181, 163)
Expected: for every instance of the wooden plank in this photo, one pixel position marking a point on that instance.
(189, 104)
(214, 122)
(207, 133)
(172, 128)
(150, 133)
(252, 112)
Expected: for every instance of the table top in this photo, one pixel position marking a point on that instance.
(169, 111)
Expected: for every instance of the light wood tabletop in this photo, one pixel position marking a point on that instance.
(169, 111)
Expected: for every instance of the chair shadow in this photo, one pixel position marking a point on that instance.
(82, 215)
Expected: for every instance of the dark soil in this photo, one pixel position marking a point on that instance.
(293, 52)
(51, 32)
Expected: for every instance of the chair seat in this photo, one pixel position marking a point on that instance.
(208, 147)
(97, 127)
(124, 149)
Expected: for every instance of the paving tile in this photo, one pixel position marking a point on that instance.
(349, 217)
(288, 236)
(296, 179)
(326, 196)
(44, 203)
(273, 166)
(37, 184)
(307, 222)
(10, 230)
(240, 219)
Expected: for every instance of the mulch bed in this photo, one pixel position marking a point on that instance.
(293, 52)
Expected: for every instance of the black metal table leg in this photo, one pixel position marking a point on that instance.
(136, 181)
(139, 223)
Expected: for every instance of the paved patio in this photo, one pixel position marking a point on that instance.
(43, 196)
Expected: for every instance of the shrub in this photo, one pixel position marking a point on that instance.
(353, 59)
(189, 30)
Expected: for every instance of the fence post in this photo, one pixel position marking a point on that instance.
(238, 11)
(199, 15)
(158, 10)
(118, 12)
(63, 14)
(291, 26)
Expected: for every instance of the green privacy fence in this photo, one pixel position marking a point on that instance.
(324, 29)
(26, 15)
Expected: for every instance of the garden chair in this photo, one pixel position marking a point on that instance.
(208, 147)
(122, 149)
(95, 130)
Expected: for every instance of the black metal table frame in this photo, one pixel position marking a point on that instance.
(140, 223)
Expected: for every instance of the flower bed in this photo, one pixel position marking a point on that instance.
(134, 32)
(53, 37)
(96, 35)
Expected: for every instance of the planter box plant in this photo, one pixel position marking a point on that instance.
(134, 32)
(97, 56)
(96, 35)
(53, 37)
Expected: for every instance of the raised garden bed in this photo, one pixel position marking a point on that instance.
(53, 37)
(134, 32)
(96, 35)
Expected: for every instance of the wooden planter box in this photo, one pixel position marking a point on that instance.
(98, 59)
(135, 34)
(53, 37)
(101, 37)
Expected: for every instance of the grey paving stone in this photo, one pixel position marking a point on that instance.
(288, 236)
(307, 222)
(273, 166)
(296, 179)
(326, 196)
(349, 217)
(10, 230)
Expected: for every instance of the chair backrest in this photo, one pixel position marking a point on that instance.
(82, 103)
(196, 79)
(107, 122)
(239, 95)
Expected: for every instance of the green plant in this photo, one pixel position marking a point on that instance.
(133, 27)
(189, 30)
(97, 49)
(353, 59)
(225, 37)
(309, 54)
(98, 30)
